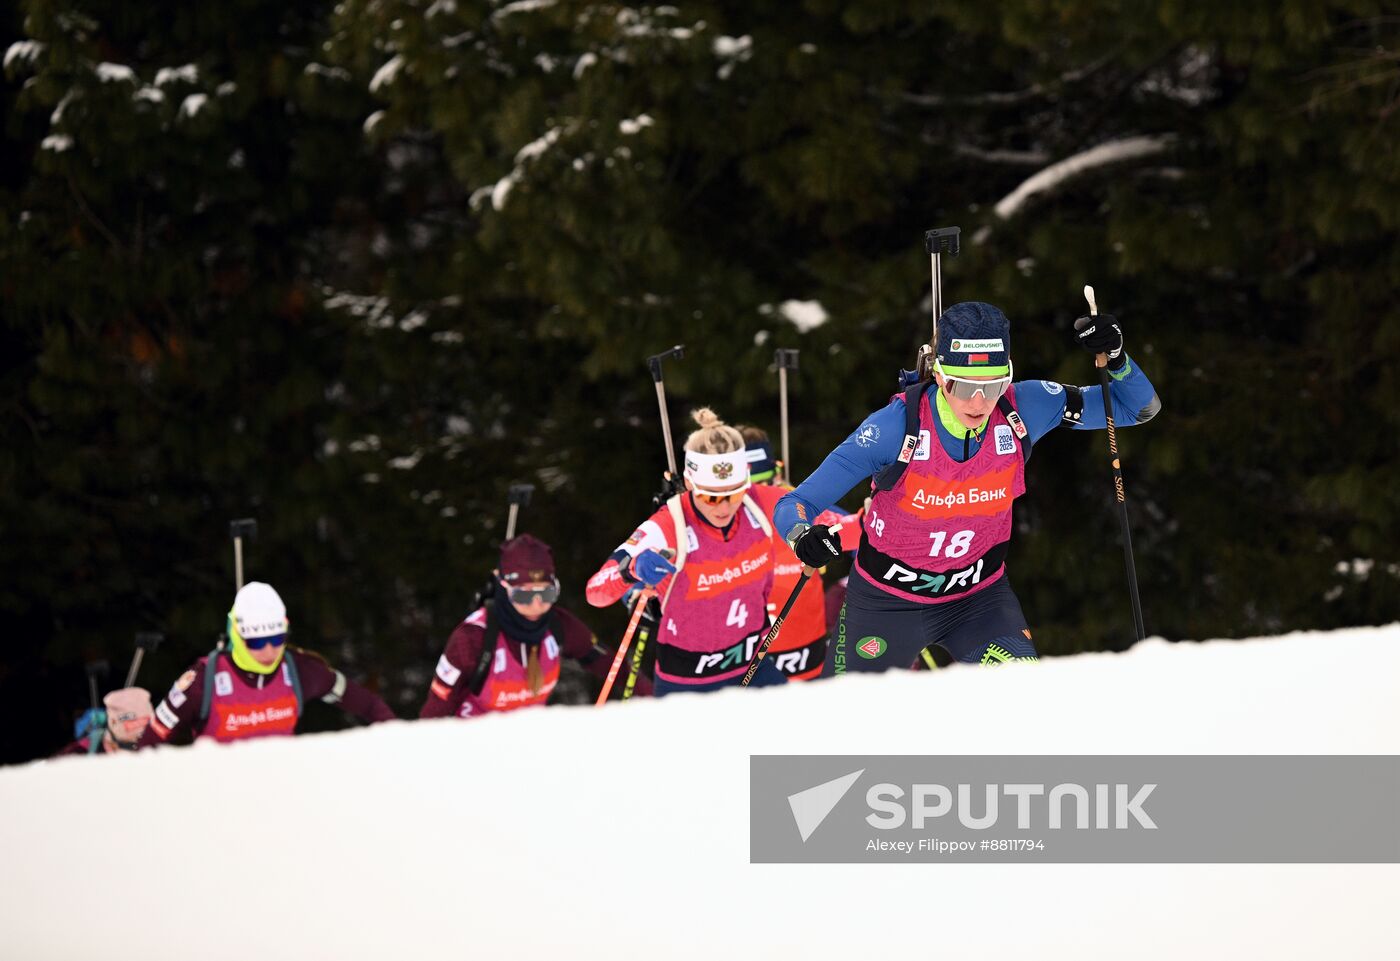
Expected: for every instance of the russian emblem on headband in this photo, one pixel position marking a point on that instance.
(724, 470)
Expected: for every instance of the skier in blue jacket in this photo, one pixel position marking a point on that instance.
(930, 567)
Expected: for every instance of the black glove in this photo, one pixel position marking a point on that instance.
(814, 546)
(1102, 335)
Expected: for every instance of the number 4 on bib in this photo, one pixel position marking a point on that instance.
(738, 614)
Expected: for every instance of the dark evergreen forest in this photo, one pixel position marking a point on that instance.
(355, 268)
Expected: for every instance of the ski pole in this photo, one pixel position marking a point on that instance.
(649, 620)
(94, 719)
(654, 365)
(1101, 361)
(145, 641)
(518, 496)
(772, 635)
(786, 360)
(239, 530)
(634, 669)
(938, 241)
(95, 670)
(642, 598)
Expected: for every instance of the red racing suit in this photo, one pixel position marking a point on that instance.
(714, 610)
(505, 686)
(247, 705)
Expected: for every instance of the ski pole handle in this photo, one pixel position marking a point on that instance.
(1101, 362)
(786, 360)
(772, 635)
(517, 496)
(654, 361)
(646, 595)
(96, 673)
(240, 530)
(145, 641)
(654, 365)
(938, 241)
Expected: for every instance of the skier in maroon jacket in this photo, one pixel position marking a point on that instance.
(507, 653)
(258, 686)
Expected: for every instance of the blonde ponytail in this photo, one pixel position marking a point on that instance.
(534, 675)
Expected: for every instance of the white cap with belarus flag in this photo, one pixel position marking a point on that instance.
(717, 473)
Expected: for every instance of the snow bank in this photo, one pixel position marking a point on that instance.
(623, 832)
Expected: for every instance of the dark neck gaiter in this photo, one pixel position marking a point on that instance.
(520, 629)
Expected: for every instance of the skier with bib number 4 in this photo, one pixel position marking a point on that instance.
(947, 458)
(714, 590)
(507, 653)
(259, 685)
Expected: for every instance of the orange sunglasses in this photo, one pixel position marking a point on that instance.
(715, 499)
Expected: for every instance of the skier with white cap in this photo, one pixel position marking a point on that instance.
(947, 457)
(257, 687)
(714, 585)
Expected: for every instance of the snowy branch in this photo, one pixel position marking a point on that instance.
(997, 98)
(1057, 174)
(1028, 158)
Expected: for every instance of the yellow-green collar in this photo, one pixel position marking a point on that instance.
(950, 421)
(243, 658)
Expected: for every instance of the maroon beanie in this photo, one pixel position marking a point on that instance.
(526, 559)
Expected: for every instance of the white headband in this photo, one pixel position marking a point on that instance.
(717, 473)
